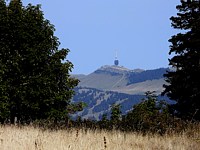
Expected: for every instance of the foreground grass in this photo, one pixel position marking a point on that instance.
(29, 138)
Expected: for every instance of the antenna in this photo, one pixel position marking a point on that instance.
(115, 54)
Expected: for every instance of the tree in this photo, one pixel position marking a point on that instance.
(149, 115)
(115, 115)
(104, 122)
(184, 83)
(35, 83)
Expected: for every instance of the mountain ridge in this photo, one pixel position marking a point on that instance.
(117, 78)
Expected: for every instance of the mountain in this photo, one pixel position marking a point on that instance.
(123, 80)
(116, 84)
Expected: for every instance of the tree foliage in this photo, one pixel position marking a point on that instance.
(149, 115)
(115, 114)
(34, 82)
(184, 83)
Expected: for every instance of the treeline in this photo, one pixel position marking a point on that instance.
(150, 116)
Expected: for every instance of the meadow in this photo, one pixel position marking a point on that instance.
(30, 138)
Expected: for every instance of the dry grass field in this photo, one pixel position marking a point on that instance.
(29, 138)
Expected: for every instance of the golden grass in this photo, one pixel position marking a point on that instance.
(29, 138)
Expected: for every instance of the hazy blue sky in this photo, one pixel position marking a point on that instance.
(93, 29)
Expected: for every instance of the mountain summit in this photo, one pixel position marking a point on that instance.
(116, 70)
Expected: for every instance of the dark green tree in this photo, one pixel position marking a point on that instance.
(4, 111)
(35, 83)
(149, 115)
(104, 122)
(115, 115)
(184, 82)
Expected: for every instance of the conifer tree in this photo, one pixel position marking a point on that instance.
(115, 115)
(184, 82)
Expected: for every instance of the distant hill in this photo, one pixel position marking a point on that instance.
(116, 84)
(99, 102)
(120, 79)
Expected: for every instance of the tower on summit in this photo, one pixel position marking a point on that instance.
(116, 62)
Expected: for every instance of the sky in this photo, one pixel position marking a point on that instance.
(94, 30)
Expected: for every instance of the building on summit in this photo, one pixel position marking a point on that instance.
(116, 62)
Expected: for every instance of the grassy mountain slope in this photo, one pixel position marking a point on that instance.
(142, 87)
(123, 80)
